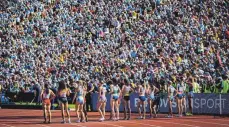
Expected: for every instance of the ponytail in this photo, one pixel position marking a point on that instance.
(46, 88)
(47, 91)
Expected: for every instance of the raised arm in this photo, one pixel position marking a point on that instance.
(120, 92)
(92, 88)
(52, 95)
(100, 91)
(168, 89)
(73, 100)
(138, 90)
(111, 87)
(41, 95)
(123, 87)
(68, 92)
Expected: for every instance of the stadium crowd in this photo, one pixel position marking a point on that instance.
(98, 40)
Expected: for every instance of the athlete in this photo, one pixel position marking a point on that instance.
(153, 100)
(63, 92)
(115, 93)
(126, 91)
(190, 90)
(180, 96)
(102, 101)
(184, 96)
(79, 96)
(171, 98)
(110, 83)
(86, 92)
(47, 95)
(88, 105)
(142, 99)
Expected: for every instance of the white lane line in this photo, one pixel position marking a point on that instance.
(110, 124)
(7, 125)
(150, 125)
(174, 123)
(35, 124)
(206, 122)
(77, 125)
(42, 125)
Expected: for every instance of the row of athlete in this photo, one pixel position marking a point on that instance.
(145, 91)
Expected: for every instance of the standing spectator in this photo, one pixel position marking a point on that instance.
(90, 89)
(37, 92)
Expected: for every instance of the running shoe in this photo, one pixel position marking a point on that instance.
(63, 122)
(83, 121)
(140, 117)
(168, 116)
(77, 121)
(189, 114)
(114, 119)
(178, 115)
(101, 119)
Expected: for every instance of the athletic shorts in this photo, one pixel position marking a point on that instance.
(184, 95)
(190, 94)
(102, 99)
(115, 98)
(154, 97)
(179, 96)
(171, 98)
(46, 101)
(142, 98)
(80, 100)
(63, 100)
(126, 98)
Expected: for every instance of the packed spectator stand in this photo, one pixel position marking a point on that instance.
(97, 40)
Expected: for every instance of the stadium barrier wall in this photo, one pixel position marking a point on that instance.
(202, 104)
(28, 96)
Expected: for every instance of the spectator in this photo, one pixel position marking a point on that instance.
(156, 40)
(37, 91)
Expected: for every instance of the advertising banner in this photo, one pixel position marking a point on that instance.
(202, 104)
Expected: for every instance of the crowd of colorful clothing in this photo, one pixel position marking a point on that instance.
(158, 41)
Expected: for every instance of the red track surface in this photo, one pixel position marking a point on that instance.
(33, 118)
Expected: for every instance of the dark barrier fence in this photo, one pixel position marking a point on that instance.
(20, 96)
(28, 97)
(202, 103)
